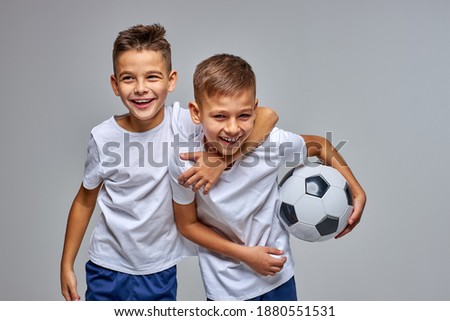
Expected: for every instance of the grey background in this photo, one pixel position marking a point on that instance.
(374, 73)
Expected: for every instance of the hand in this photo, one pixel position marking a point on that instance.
(359, 201)
(259, 258)
(205, 172)
(69, 286)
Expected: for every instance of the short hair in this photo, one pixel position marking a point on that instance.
(139, 37)
(222, 75)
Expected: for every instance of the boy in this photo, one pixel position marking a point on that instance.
(135, 245)
(244, 251)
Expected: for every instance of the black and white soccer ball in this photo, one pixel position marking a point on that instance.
(316, 202)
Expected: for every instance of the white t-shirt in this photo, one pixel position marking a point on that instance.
(243, 208)
(136, 232)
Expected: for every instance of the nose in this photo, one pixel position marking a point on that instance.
(140, 88)
(232, 127)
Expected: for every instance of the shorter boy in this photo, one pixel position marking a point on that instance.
(244, 251)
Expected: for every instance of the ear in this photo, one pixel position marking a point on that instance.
(173, 77)
(114, 85)
(255, 111)
(195, 112)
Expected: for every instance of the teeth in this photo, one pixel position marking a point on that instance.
(230, 140)
(141, 101)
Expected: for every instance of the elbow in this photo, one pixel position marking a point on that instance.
(183, 230)
(315, 145)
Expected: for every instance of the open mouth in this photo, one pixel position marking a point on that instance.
(230, 141)
(141, 103)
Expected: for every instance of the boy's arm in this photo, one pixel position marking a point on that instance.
(257, 257)
(79, 216)
(210, 165)
(321, 148)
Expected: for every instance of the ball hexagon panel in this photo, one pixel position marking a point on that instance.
(305, 232)
(307, 171)
(335, 202)
(334, 178)
(292, 189)
(311, 205)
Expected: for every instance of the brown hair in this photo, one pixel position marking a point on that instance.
(139, 37)
(222, 75)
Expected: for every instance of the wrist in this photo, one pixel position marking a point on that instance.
(242, 253)
(67, 264)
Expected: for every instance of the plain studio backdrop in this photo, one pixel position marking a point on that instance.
(374, 74)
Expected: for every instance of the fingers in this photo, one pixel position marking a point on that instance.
(275, 266)
(75, 297)
(344, 232)
(195, 183)
(274, 251)
(66, 295)
(200, 183)
(354, 218)
(71, 295)
(276, 262)
(350, 226)
(191, 179)
(207, 188)
(184, 178)
(193, 156)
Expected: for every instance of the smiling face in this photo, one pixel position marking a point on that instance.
(142, 81)
(227, 121)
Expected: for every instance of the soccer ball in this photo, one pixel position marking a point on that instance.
(316, 202)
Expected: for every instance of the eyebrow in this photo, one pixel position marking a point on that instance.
(126, 72)
(226, 111)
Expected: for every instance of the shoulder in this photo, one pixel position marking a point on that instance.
(284, 144)
(278, 135)
(181, 121)
(175, 111)
(104, 126)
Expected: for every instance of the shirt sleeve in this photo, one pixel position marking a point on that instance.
(180, 194)
(182, 122)
(92, 167)
(291, 147)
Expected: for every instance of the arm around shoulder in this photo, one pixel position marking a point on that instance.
(266, 119)
(210, 165)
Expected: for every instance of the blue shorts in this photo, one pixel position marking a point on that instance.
(285, 292)
(108, 285)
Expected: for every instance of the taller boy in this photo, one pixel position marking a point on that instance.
(135, 245)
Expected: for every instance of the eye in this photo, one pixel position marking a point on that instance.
(126, 78)
(154, 76)
(245, 116)
(219, 116)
